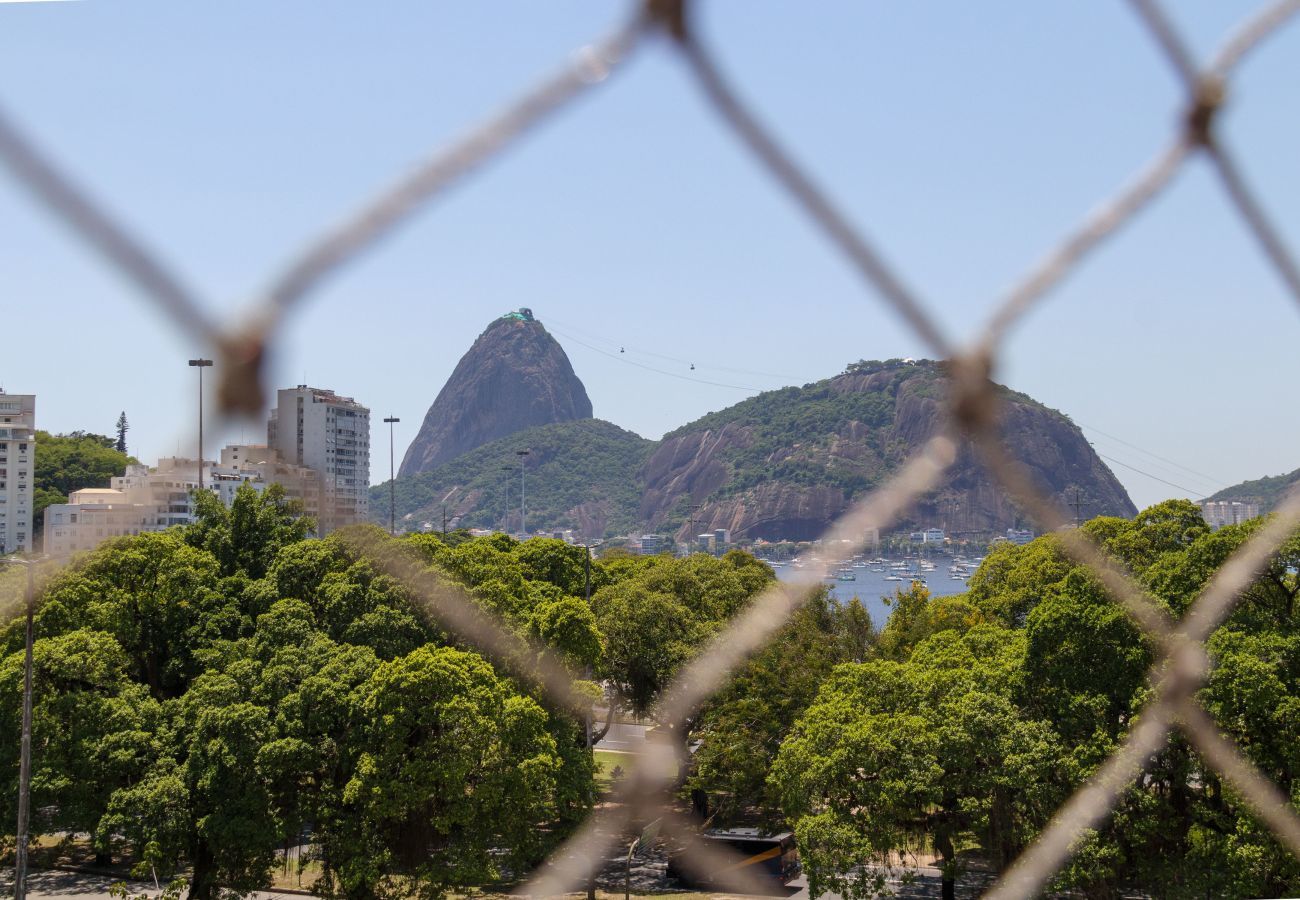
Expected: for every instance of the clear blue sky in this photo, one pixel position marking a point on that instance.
(965, 138)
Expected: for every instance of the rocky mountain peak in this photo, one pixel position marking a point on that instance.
(515, 376)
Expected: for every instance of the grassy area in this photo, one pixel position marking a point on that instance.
(608, 760)
(282, 877)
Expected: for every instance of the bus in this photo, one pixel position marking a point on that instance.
(772, 857)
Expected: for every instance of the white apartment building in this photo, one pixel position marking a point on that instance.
(142, 499)
(17, 471)
(1218, 513)
(155, 499)
(258, 463)
(1019, 536)
(321, 430)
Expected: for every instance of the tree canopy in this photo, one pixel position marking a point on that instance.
(209, 694)
(69, 462)
(978, 715)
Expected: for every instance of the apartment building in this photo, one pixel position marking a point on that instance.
(140, 500)
(259, 463)
(154, 499)
(17, 471)
(1019, 536)
(321, 430)
(1218, 513)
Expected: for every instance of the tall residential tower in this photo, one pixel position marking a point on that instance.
(17, 470)
(318, 429)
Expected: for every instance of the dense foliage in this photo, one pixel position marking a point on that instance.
(578, 472)
(207, 695)
(69, 462)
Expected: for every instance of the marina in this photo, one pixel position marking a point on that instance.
(871, 580)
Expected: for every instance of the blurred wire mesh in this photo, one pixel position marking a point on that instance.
(973, 406)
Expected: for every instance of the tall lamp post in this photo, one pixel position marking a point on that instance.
(523, 458)
(505, 514)
(25, 752)
(201, 364)
(392, 478)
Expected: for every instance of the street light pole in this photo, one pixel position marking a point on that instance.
(505, 515)
(392, 478)
(523, 458)
(201, 364)
(25, 751)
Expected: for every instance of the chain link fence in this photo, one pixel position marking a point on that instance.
(1182, 665)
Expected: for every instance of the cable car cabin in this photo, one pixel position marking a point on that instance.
(772, 857)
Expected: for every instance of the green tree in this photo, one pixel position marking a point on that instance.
(158, 597)
(68, 462)
(208, 695)
(933, 749)
(742, 726)
(247, 536)
(232, 837)
(455, 765)
(95, 729)
(122, 429)
(648, 635)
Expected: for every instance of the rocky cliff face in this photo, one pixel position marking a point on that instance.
(515, 376)
(785, 464)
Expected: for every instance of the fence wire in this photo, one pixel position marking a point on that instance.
(1182, 665)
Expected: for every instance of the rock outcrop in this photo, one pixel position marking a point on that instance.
(784, 465)
(515, 376)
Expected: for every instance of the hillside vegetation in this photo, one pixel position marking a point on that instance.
(1267, 490)
(786, 463)
(583, 472)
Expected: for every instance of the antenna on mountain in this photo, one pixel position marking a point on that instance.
(1075, 504)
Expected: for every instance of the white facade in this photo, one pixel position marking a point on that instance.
(17, 471)
(259, 464)
(933, 536)
(649, 544)
(321, 430)
(1218, 513)
(140, 500)
(155, 499)
(1019, 535)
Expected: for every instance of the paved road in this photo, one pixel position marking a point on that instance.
(624, 737)
(91, 887)
(82, 886)
(927, 883)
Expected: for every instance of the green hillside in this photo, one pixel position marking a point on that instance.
(588, 465)
(1267, 490)
(794, 428)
